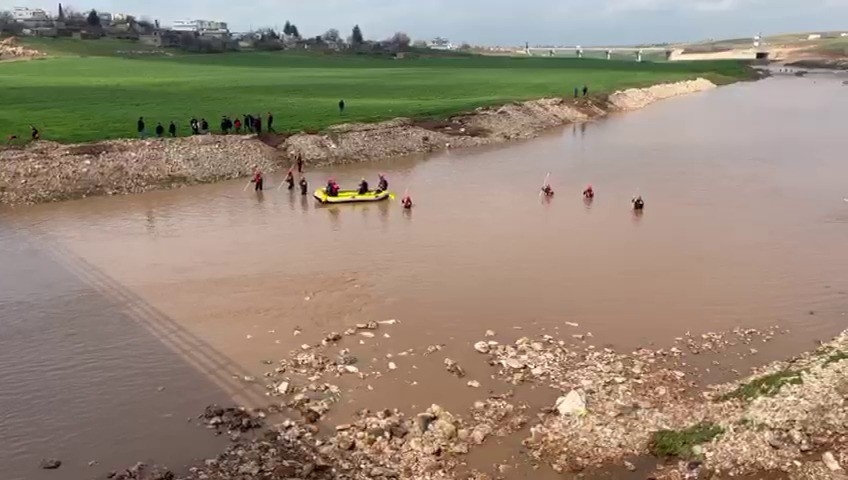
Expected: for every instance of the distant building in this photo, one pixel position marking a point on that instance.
(202, 27)
(814, 36)
(440, 43)
(25, 14)
(106, 18)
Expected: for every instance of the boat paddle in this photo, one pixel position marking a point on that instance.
(284, 179)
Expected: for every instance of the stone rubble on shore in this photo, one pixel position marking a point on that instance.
(636, 98)
(611, 406)
(10, 50)
(46, 171)
(616, 402)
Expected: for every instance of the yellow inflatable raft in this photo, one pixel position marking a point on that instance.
(352, 196)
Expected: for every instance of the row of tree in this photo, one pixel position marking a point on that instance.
(268, 38)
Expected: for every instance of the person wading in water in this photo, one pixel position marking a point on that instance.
(303, 185)
(257, 179)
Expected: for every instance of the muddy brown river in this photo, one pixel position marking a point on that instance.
(122, 317)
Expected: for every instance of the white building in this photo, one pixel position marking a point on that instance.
(440, 43)
(25, 14)
(201, 27)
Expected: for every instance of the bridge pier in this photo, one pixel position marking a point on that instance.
(639, 55)
(609, 54)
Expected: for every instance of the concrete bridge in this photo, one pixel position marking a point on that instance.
(578, 51)
(637, 53)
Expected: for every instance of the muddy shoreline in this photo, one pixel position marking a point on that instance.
(44, 171)
(615, 410)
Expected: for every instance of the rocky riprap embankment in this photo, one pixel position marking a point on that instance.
(484, 126)
(46, 171)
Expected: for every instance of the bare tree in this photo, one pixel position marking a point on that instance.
(331, 35)
(398, 43)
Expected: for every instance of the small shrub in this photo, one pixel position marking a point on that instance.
(836, 357)
(764, 386)
(672, 443)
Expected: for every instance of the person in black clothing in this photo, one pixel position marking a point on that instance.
(341, 106)
(303, 185)
(224, 125)
(35, 134)
(363, 187)
(204, 126)
(299, 163)
(172, 129)
(160, 130)
(576, 92)
(270, 122)
(195, 129)
(257, 124)
(290, 180)
(585, 90)
(248, 123)
(383, 184)
(141, 131)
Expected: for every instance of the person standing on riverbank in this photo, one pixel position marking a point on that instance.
(585, 90)
(34, 133)
(341, 106)
(270, 123)
(576, 92)
(237, 125)
(248, 123)
(257, 124)
(195, 129)
(204, 126)
(141, 129)
(299, 163)
(160, 130)
(172, 129)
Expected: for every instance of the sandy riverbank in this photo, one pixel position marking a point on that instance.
(44, 171)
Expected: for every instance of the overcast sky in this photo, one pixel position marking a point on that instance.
(499, 22)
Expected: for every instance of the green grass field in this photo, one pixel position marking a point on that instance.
(86, 93)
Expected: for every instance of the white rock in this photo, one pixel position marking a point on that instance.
(571, 404)
(572, 324)
(367, 334)
(481, 347)
(388, 322)
(283, 388)
(490, 333)
(473, 384)
(514, 363)
(351, 369)
(830, 461)
(392, 366)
